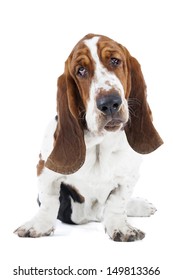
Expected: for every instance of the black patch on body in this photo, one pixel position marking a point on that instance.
(65, 210)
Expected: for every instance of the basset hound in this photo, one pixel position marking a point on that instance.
(92, 150)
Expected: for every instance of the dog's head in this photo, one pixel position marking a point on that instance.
(102, 89)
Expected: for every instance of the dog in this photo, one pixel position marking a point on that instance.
(89, 162)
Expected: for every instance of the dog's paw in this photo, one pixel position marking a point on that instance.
(138, 207)
(132, 234)
(120, 230)
(34, 228)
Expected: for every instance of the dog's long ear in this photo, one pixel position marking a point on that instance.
(69, 150)
(140, 131)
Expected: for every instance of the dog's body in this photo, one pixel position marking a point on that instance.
(87, 168)
(99, 175)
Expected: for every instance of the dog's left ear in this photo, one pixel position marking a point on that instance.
(140, 131)
(69, 150)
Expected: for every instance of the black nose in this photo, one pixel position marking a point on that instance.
(109, 104)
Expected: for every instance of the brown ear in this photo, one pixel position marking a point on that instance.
(68, 154)
(141, 134)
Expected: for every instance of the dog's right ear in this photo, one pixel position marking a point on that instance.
(69, 150)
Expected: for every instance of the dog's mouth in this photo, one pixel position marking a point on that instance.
(113, 125)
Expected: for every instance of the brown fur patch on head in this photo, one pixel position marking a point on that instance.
(108, 48)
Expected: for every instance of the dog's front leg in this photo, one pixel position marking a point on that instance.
(42, 223)
(115, 218)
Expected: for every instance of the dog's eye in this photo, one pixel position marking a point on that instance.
(82, 71)
(115, 61)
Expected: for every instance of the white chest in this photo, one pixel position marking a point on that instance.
(109, 162)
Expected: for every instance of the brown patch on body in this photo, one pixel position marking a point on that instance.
(75, 194)
(94, 204)
(40, 165)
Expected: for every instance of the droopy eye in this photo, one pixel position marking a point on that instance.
(115, 61)
(82, 71)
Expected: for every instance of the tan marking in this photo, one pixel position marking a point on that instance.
(40, 165)
(81, 197)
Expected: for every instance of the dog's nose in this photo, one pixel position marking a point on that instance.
(109, 104)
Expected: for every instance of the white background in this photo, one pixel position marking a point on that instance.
(36, 38)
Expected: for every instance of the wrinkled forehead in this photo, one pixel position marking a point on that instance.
(100, 45)
(80, 51)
